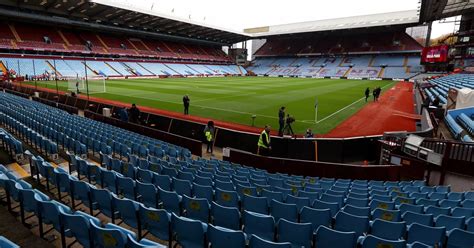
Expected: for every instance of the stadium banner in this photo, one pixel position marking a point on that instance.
(335, 77)
(375, 79)
(355, 78)
(435, 54)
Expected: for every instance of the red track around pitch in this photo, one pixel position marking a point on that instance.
(393, 112)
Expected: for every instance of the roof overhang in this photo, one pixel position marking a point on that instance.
(118, 15)
(409, 17)
(432, 10)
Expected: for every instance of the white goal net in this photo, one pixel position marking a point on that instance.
(82, 85)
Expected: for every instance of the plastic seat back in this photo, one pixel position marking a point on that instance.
(260, 225)
(329, 238)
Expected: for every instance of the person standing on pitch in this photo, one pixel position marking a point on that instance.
(367, 94)
(264, 143)
(209, 135)
(281, 120)
(379, 91)
(374, 93)
(186, 101)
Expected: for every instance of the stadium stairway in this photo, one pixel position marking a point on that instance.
(13, 230)
(14, 32)
(3, 68)
(380, 75)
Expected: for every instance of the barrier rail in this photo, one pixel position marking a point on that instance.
(324, 169)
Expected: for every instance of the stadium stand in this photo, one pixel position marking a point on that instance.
(460, 123)
(367, 57)
(111, 68)
(20, 36)
(150, 192)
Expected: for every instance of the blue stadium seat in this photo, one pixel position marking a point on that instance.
(223, 237)
(157, 222)
(410, 207)
(110, 235)
(357, 202)
(388, 215)
(424, 219)
(347, 222)
(449, 222)
(280, 210)
(272, 195)
(371, 241)
(316, 217)
(196, 208)
(257, 242)
(358, 211)
(437, 211)
(147, 194)
(228, 217)
(182, 187)
(143, 243)
(102, 200)
(79, 225)
(388, 229)
(227, 198)
(255, 204)
(259, 225)
(181, 227)
(334, 207)
(329, 238)
(128, 211)
(298, 234)
(170, 200)
(433, 236)
(460, 238)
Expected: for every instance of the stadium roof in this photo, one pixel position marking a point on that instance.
(432, 10)
(405, 18)
(119, 17)
(112, 13)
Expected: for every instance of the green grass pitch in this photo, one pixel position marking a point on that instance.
(236, 99)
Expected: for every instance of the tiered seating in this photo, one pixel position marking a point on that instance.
(453, 126)
(33, 38)
(140, 47)
(460, 123)
(398, 72)
(74, 68)
(157, 68)
(100, 68)
(317, 44)
(336, 66)
(86, 228)
(442, 85)
(29, 67)
(75, 42)
(115, 46)
(11, 145)
(167, 193)
(467, 123)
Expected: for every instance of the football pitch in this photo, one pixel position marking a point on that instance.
(236, 99)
